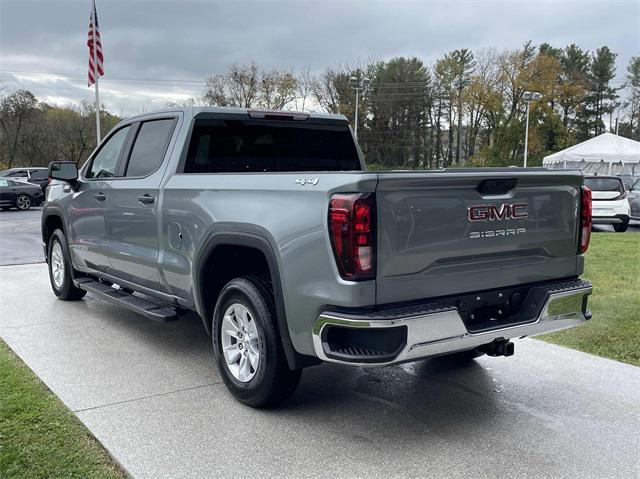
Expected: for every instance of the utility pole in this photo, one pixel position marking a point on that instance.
(358, 84)
(528, 97)
(616, 105)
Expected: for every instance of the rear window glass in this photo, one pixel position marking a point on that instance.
(244, 146)
(39, 174)
(604, 184)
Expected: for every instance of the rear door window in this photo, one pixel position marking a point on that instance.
(106, 160)
(245, 146)
(39, 175)
(150, 147)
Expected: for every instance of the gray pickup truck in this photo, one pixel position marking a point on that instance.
(268, 226)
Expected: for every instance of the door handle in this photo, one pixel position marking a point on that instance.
(100, 196)
(146, 199)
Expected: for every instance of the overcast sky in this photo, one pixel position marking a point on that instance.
(43, 43)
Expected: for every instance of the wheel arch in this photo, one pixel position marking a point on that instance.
(251, 237)
(52, 219)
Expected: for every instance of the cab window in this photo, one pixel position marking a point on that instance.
(106, 160)
(150, 147)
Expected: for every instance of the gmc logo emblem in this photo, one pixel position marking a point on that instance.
(494, 212)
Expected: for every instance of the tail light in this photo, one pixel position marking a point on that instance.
(353, 234)
(621, 196)
(585, 220)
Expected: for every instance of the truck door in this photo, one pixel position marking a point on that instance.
(132, 206)
(88, 238)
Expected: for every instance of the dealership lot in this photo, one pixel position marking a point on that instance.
(150, 393)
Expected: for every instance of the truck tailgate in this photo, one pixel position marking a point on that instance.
(456, 231)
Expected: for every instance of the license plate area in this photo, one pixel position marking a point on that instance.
(500, 308)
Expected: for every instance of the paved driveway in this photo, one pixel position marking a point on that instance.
(150, 394)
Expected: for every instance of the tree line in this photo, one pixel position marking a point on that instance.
(467, 109)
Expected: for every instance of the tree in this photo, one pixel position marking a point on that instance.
(395, 116)
(573, 85)
(600, 97)
(246, 86)
(633, 84)
(463, 64)
(15, 112)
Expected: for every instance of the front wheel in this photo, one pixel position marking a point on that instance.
(620, 227)
(247, 345)
(60, 269)
(23, 202)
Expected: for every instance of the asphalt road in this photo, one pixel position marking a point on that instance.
(20, 240)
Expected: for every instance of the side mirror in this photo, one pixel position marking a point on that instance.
(63, 170)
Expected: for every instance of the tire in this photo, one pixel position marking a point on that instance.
(267, 379)
(620, 227)
(23, 202)
(60, 269)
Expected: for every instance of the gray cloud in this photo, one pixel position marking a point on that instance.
(191, 39)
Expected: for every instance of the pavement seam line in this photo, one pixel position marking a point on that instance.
(145, 397)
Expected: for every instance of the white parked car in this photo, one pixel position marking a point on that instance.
(610, 203)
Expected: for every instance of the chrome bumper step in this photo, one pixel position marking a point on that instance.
(436, 328)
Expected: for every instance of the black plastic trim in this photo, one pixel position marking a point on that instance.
(240, 234)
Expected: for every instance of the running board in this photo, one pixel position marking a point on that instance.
(151, 308)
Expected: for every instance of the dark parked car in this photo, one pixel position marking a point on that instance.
(19, 194)
(36, 175)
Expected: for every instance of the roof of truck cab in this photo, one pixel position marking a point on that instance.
(195, 111)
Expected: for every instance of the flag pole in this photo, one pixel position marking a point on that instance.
(95, 75)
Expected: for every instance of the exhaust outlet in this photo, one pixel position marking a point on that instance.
(500, 347)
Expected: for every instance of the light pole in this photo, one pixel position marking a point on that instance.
(616, 105)
(528, 97)
(358, 84)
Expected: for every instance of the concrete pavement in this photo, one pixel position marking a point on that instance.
(150, 393)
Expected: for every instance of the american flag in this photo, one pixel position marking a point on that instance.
(94, 35)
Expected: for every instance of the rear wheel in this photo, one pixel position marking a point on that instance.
(247, 345)
(60, 269)
(621, 227)
(23, 202)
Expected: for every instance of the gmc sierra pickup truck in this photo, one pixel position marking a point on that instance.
(268, 226)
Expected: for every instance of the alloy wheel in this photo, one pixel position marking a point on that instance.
(57, 265)
(23, 202)
(240, 342)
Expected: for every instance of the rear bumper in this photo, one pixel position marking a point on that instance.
(442, 331)
(610, 220)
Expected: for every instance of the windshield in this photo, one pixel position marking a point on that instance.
(604, 184)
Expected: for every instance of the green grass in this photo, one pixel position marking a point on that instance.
(612, 264)
(39, 436)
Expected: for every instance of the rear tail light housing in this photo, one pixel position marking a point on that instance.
(621, 196)
(352, 230)
(586, 212)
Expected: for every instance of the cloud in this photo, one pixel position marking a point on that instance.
(191, 39)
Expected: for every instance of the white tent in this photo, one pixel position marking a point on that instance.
(606, 154)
